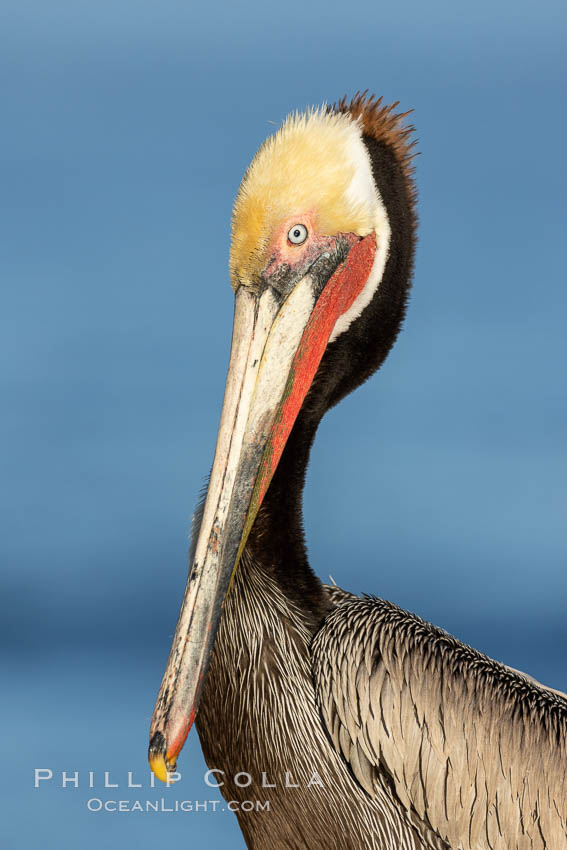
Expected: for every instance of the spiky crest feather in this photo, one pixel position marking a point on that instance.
(383, 124)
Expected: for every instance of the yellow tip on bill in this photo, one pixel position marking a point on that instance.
(158, 765)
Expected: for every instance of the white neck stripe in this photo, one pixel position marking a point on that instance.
(361, 188)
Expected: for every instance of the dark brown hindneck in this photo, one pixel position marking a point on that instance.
(277, 540)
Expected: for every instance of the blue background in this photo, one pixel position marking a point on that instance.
(126, 128)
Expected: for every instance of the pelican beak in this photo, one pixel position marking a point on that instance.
(280, 334)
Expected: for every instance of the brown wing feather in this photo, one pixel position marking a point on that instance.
(473, 749)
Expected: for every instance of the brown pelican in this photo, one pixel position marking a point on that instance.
(376, 728)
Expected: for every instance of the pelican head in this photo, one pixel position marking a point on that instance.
(313, 246)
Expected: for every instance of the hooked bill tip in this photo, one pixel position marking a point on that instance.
(161, 766)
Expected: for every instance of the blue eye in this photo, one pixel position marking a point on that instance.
(297, 234)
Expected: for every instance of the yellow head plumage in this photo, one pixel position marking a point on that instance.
(314, 163)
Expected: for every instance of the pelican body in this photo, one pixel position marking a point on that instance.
(361, 725)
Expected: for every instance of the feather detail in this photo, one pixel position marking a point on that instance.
(473, 748)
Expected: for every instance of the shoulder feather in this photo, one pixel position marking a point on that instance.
(472, 749)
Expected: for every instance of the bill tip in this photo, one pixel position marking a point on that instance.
(160, 765)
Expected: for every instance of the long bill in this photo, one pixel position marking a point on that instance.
(277, 346)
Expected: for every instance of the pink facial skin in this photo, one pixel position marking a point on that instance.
(281, 250)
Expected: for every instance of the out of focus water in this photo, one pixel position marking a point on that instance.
(80, 716)
(440, 484)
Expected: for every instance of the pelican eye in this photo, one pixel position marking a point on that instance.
(297, 234)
